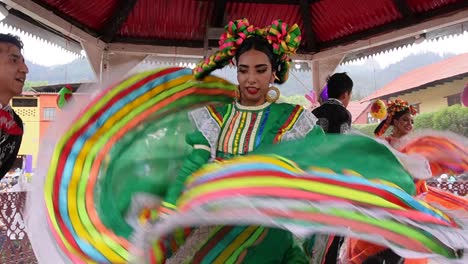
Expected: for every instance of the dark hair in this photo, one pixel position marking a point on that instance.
(261, 44)
(398, 115)
(395, 116)
(338, 84)
(280, 67)
(12, 39)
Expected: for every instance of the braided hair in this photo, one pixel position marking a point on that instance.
(278, 41)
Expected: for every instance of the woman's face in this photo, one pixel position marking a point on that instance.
(254, 74)
(404, 124)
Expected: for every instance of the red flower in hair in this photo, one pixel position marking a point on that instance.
(375, 108)
(400, 105)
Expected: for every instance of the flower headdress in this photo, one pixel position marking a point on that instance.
(393, 108)
(399, 106)
(284, 39)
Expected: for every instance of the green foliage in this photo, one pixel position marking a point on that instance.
(453, 118)
(295, 99)
(424, 120)
(29, 84)
(78, 70)
(366, 129)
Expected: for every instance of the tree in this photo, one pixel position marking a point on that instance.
(453, 118)
(366, 129)
(295, 99)
(29, 84)
(424, 120)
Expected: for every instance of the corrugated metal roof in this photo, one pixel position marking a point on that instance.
(419, 6)
(263, 14)
(92, 13)
(184, 22)
(333, 19)
(174, 19)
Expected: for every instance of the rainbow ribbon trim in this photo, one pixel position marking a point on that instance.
(78, 156)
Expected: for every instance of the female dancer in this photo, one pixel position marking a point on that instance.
(241, 127)
(400, 116)
(100, 203)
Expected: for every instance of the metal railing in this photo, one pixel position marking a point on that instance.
(459, 188)
(14, 242)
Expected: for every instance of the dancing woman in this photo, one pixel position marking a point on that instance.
(236, 129)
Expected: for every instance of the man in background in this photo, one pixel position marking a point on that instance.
(13, 72)
(332, 115)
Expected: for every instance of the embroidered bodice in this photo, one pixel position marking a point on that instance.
(235, 129)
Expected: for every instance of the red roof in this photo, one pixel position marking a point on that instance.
(91, 13)
(356, 109)
(424, 76)
(339, 18)
(324, 23)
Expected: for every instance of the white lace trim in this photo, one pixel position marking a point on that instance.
(207, 126)
(304, 124)
(187, 251)
(415, 164)
(201, 146)
(252, 108)
(319, 248)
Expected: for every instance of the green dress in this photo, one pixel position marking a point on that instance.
(224, 132)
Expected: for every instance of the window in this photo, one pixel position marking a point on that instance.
(48, 113)
(453, 99)
(371, 119)
(21, 102)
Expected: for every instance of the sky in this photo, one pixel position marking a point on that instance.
(46, 54)
(454, 44)
(39, 51)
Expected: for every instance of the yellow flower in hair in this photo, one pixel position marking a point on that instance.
(378, 109)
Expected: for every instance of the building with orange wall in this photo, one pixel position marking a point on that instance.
(48, 111)
(27, 107)
(48, 104)
(38, 109)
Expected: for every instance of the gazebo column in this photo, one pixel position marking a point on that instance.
(94, 55)
(321, 69)
(118, 65)
(109, 65)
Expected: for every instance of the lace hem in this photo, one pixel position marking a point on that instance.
(415, 164)
(207, 126)
(304, 124)
(188, 250)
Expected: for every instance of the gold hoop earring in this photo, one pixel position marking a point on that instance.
(276, 97)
